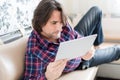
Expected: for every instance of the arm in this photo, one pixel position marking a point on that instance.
(72, 64)
(71, 34)
(34, 68)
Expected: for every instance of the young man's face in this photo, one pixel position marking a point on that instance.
(53, 27)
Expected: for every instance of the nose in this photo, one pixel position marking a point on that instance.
(59, 26)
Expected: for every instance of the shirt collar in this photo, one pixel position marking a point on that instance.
(43, 42)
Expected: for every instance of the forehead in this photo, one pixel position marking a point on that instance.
(55, 15)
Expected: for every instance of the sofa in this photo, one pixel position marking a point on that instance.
(12, 63)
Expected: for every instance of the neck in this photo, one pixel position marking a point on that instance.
(49, 39)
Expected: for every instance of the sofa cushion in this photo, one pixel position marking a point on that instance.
(88, 74)
(11, 59)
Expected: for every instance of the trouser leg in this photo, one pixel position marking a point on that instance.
(91, 24)
(105, 56)
(102, 56)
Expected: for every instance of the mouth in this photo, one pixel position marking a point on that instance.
(57, 32)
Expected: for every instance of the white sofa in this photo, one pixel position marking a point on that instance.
(12, 63)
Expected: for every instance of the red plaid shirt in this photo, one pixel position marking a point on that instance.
(41, 52)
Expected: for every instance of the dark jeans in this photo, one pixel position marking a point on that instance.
(91, 24)
(101, 56)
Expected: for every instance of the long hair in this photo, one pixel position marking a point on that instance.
(43, 12)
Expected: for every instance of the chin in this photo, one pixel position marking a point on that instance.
(57, 36)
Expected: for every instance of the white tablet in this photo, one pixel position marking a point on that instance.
(75, 48)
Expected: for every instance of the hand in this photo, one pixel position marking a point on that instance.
(55, 69)
(89, 54)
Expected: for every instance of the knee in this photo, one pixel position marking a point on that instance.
(96, 10)
(117, 51)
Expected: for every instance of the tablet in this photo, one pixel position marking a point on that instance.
(75, 48)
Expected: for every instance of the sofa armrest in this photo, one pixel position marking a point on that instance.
(88, 74)
(12, 58)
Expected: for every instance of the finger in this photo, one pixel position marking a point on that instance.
(52, 64)
(87, 56)
(57, 63)
(59, 69)
(60, 66)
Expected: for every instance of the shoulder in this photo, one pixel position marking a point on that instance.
(34, 37)
(69, 32)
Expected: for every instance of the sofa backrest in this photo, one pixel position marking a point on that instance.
(12, 59)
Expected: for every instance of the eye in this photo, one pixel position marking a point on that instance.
(54, 22)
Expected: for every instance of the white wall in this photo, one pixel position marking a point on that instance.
(76, 6)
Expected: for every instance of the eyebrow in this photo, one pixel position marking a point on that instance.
(53, 21)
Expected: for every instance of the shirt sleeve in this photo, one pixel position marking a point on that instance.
(34, 66)
(74, 63)
(34, 69)
(73, 32)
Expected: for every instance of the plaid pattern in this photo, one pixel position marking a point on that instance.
(41, 52)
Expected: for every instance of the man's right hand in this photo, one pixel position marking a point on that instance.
(89, 54)
(55, 69)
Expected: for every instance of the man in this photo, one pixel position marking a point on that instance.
(50, 27)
